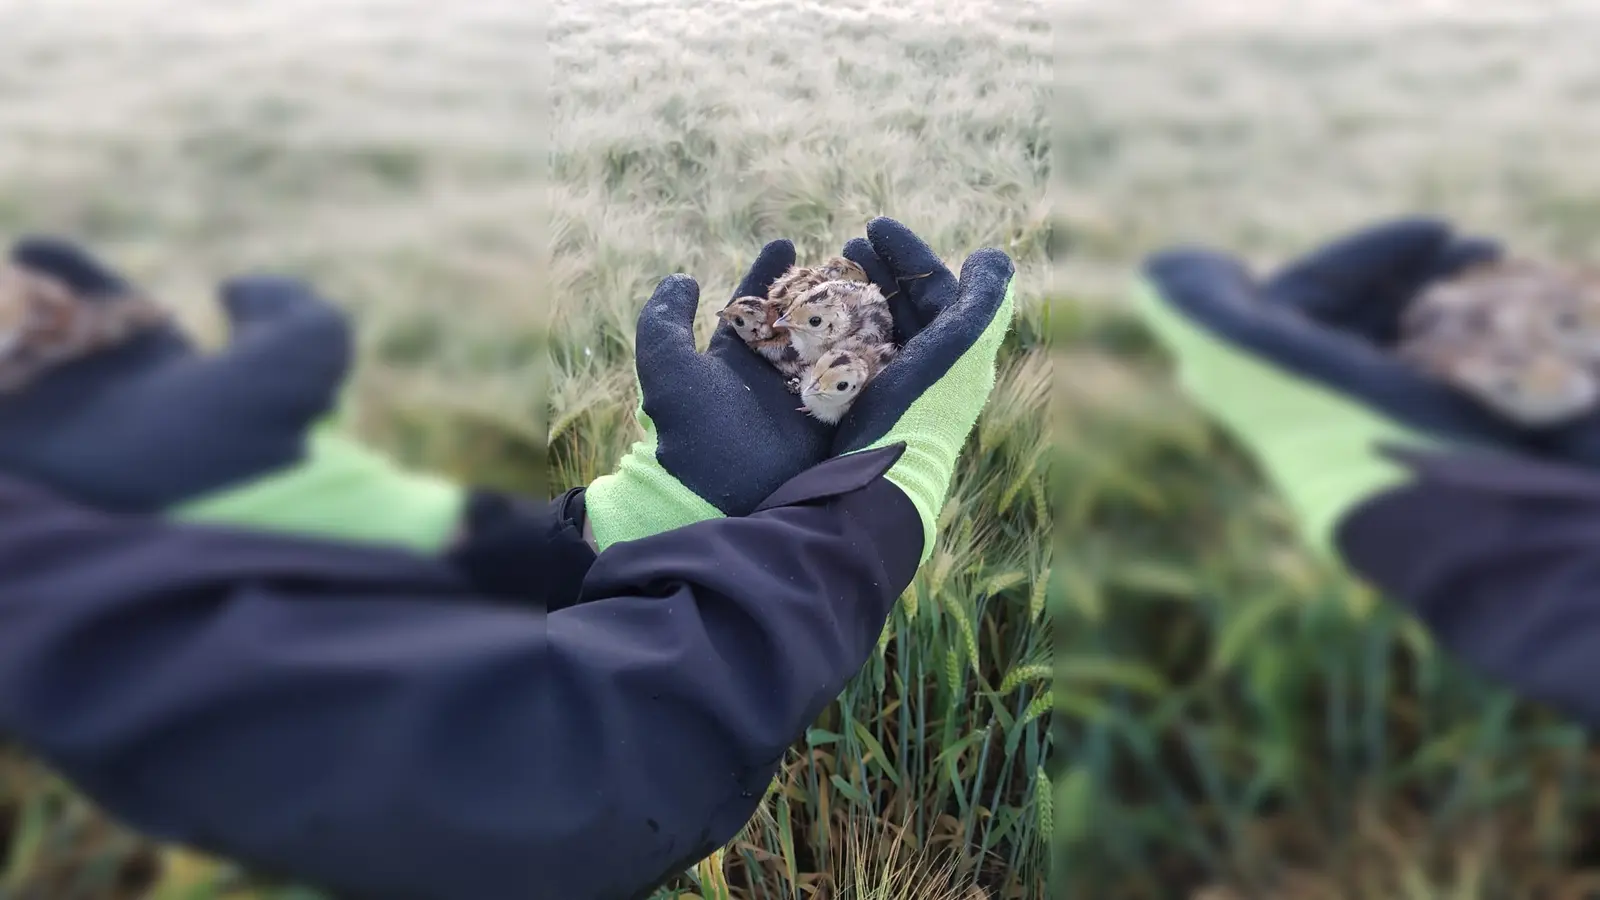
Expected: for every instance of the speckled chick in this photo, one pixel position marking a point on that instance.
(800, 279)
(753, 319)
(1515, 301)
(838, 377)
(1533, 385)
(835, 312)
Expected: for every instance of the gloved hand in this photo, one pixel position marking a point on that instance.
(238, 438)
(930, 396)
(722, 432)
(1296, 367)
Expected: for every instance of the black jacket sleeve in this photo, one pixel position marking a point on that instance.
(1500, 558)
(351, 718)
(523, 552)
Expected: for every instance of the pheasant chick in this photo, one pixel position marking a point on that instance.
(800, 279)
(1516, 301)
(839, 376)
(1573, 322)
(44, 324)
(1531, 385)
(753, 319)
(835, 312)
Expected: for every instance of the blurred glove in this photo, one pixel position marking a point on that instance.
(235, 438)
(722, 432)
(1298, 369)
(930, 396)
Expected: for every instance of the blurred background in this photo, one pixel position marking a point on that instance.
(1276, 731)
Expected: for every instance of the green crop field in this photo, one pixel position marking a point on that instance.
(486, 185)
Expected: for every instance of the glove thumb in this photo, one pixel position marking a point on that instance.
(288, 354)
(664, 341)
(68, 264)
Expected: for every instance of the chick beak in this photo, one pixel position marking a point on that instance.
(783, 321)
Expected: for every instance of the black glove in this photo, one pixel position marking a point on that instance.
(929, 397)
(1333, 318)
(153, 426)
(1298, 366)
(722, 431)
(149, 424)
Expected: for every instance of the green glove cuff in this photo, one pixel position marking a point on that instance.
(936, 425)
(342, 491)
(1317, 447)
(641, 498)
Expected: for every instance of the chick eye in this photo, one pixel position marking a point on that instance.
(815, 321)
(842, 386)
(738, 321)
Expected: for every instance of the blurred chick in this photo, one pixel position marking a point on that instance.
(832, 385)
(44, 324)
(835, 312)
(1573, 320)
(1515, 301)
(1533, 385)
(1521, 337)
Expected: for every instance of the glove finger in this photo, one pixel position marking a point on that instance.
(773, 260)
(287, 359)
(1463, 254)
(69, 264)
(915, 267)
(272, 318)
(860, 252)
(1375, 257)
(1213, 293)
(985, 277)
(664, 350)
(1363, 281)
(263, 301)
(1577, 442)
(906, 321)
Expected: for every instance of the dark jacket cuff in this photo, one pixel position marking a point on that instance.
(857, 484)
(535, 555)
(523, 552)
(1500, 558)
